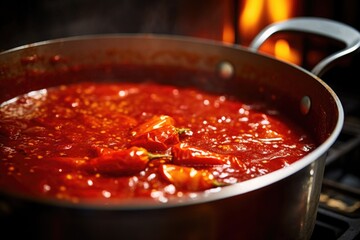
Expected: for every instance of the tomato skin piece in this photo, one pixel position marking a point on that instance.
(188, 178)
(183, 154)
(159, 139)
(153, 123)
(157, 134)
(123, 162)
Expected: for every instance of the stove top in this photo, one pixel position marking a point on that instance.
(339, 209)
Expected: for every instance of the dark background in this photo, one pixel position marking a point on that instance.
(29, 21)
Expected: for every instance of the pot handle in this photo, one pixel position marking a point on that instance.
(319, 26)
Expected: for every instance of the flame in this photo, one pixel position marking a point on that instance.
(283, 51)
(228, 34)
(251, 15)
(257, 14)
(282, 48)
(279, 9)
(228, 31)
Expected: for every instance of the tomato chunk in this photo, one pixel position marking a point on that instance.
(188, 178)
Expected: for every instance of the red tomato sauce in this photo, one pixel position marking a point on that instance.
(117, 141)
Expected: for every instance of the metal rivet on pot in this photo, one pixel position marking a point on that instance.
(305, 105)
(225, 70)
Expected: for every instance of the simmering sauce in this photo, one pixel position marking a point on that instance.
(117, 141)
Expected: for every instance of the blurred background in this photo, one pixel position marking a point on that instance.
(25, 21)
(231, 21)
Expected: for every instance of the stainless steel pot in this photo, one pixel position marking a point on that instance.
(279, 205)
